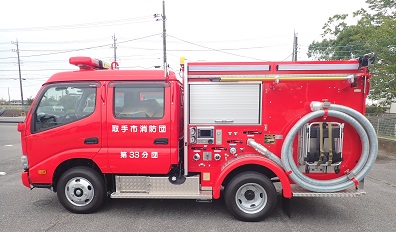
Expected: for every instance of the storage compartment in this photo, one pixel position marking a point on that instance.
(225, 103)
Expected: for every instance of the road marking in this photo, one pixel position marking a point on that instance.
(8, 145)
(2, 173)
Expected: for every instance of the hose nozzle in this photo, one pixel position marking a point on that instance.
(316, 105)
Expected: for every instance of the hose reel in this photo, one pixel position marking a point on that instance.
(358, 121)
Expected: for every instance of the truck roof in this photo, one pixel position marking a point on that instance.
(111, 75)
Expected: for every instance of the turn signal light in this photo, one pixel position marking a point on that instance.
(42, 172)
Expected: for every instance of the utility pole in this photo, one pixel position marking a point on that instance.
(19, 68)
(114, 46)
(163, 17)
(164, 38)
(295, 45)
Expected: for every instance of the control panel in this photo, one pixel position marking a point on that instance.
(202, 135)
(210, 146)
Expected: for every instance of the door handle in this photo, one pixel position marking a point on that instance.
(161, 141)
(92, 140)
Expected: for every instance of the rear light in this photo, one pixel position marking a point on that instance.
(25, 164)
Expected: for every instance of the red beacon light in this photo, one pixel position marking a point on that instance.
(88, 63)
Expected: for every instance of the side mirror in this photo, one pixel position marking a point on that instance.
(21, 126)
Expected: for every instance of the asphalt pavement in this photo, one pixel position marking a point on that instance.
(22, 209)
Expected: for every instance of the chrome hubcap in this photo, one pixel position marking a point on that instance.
(79, 191)
(251, 198)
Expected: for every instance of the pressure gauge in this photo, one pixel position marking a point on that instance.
(193, 140)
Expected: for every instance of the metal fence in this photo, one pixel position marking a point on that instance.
(384, 124)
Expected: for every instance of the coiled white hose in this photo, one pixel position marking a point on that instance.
(369, 149)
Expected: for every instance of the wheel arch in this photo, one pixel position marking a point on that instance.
(70, 163)
(256, 163)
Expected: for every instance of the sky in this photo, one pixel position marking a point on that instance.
(50, 32)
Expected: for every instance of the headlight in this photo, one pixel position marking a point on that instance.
(25, 164)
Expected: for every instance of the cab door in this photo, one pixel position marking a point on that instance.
(138, 127)
(65, 124)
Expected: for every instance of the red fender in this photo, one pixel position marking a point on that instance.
(258, 160)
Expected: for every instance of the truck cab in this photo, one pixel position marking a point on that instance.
(118, 122)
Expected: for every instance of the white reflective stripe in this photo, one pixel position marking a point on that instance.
(208, 68)
(296, 67)
(285, 78)
(270, 76)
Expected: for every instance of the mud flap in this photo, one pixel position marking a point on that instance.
(286, 205)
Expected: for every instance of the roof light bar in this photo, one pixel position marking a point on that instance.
(88, 63)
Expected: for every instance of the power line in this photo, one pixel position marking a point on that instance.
(81, 49)
(82, 25)
(60, 52)
(25, 79)
(288, 56)
(11, 87)
(34, 70)
(208, 49)
(277, 37)
(35, 61)
(229, 53)
(64, 41)
(148, 36)
(37, 85)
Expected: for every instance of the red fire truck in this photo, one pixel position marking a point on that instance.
(248, 131)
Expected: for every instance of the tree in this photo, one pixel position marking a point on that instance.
(374, 109)
(374, 31)
(29, 101)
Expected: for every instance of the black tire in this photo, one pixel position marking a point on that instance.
(81, 190)
(258, 200)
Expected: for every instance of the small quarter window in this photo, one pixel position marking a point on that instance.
(139, 102)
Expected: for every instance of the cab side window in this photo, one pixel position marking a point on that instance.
(63, 104)
(139, 102)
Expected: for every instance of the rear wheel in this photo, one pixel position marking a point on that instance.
(250, 196)
(81, 190)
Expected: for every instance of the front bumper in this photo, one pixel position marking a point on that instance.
(25, 179)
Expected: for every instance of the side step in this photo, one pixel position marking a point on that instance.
(159, 188)
(202, 196)
(301, 192)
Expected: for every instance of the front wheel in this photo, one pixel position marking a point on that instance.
(81, 190)
(250, 196)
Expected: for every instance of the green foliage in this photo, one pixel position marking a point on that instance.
(29, 101)
(372, 32)
(383, 7)
(374, 109)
